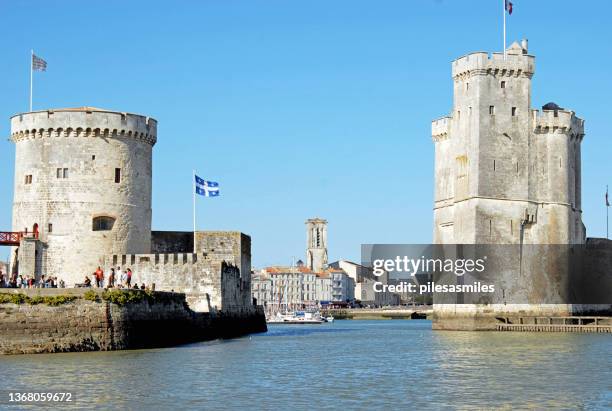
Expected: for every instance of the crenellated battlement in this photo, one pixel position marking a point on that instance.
(161, 259)
(440, 128)
(558, 121)
(83, 122)
(482, 63)
(209, 280)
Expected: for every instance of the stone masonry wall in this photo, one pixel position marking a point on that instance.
(84, 325)
(166, 242)
(216, 277)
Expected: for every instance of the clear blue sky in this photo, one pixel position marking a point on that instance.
(299, 108)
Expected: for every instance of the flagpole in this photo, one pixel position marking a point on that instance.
(31, 76)
(607, 214)
(193, 189)
(504, 13)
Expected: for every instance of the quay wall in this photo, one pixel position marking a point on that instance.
(587, 279)
(162, 320)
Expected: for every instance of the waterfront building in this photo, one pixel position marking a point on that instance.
(323, 288)
(287, 287)
(261, 287)
(299, 287)
(343, 286)
(358, 272)
(364, 280)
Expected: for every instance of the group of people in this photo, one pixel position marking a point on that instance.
(115, 280)
(28, 281)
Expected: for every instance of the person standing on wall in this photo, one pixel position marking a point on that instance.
(99, 274)
(123, 277)
(111, 278)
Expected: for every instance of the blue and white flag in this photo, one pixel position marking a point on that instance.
(206, 188)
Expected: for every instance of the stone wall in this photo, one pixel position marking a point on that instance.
(216, 277)
(582, 286)
(165, 242)
(209, 284)
(595, 283)
(84, 325)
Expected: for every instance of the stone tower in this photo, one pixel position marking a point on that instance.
(316, 244)
(83, 183)
(505, 173)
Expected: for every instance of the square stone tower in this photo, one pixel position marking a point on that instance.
(505, 173)
(316, 244)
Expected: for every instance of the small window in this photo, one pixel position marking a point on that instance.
(58, 173)
(93, 156)
(513, 111)
(65, 173)
(494, 165)
(50, 228)
(467, 86)
(103, 223)
(503, 84)
(28, 179)
(491, 110)
(117, 175)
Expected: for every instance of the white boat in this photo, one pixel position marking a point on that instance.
(328, 319)
(298, 317)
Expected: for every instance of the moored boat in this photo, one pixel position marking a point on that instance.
(298, 317)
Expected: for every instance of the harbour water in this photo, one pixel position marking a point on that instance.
(396, 364)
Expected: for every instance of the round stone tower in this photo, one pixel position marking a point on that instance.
(83, 186)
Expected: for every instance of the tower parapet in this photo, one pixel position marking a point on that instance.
(440, 128)
(83, 122)
(516, 63)
(558, 121)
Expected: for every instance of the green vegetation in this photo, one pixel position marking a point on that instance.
(53, 300)
(91, 295)
(116, 296)
(122, 297)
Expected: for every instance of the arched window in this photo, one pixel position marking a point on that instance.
(103, 223)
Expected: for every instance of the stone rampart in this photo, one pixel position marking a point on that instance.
(156, 320)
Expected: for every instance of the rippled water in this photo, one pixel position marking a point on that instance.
(348, 364)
